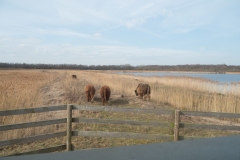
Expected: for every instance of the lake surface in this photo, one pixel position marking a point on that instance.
(222, 78)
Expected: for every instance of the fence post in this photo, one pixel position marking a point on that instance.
(69, 127)
(176, 125)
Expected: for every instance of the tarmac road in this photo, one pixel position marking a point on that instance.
(221, 148)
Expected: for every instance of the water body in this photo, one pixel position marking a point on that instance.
(222, 78)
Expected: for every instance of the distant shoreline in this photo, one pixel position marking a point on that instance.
(129, 71)
(197, 72)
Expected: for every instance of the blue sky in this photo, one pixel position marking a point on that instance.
(116, 32)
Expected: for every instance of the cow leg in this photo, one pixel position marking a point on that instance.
(92, 98)
(143, 96)
(103, 101)
(147, 97)
(87, 96)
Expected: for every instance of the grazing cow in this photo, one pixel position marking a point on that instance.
(143, 90)
(105, 93)
(90, 91)
(74, 76)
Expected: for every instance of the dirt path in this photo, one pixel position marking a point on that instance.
(54, 93)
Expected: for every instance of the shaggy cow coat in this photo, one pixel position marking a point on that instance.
(105, 93)
(90, 91)
(143, 90)
(74, 76)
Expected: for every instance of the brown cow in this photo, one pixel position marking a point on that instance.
(105, 93)
(143, 90)
(74, 76)
(90, 91)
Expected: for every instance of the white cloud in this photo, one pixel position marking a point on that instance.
(97, 34)
(174, 14)
(33, 51)
(133, 22)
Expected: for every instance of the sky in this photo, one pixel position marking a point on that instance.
(118, 32)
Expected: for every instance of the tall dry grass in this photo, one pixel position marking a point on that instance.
(23, 89)
(197, 94)
(29, 88)
(185, 93)
(35, 88)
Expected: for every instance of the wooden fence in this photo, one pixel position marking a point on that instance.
(176, 125)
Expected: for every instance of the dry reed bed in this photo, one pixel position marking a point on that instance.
(184, 93)
(26, 89)
(22, 89)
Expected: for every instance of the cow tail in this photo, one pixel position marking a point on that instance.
(105, 95)
(148, 91)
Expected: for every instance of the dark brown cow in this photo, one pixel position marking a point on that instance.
(90, 91)
(143, 90)
(105, 93)
(74, 76)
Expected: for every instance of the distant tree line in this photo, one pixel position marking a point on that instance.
(222, 68)
(64, 66)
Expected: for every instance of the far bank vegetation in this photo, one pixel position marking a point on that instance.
(220, 68)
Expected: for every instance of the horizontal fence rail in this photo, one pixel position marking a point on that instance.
(32, 124)
(121, 135)
(205, 126)
(210, 114)
(32, 110)
(121, 109)
(122, 122)
(44, 150)
(31, 139)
